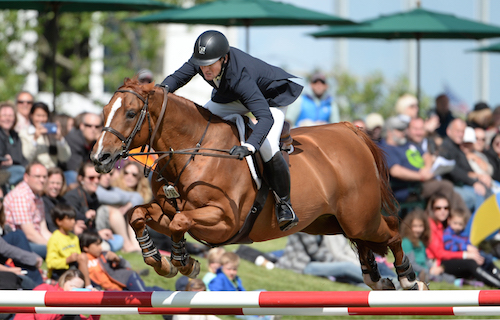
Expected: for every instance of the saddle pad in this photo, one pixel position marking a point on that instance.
(240, 125)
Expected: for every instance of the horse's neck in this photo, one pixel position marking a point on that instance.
(184, 124)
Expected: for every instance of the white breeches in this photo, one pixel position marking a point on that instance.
(271, 144)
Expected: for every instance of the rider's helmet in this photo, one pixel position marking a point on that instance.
(210, 46)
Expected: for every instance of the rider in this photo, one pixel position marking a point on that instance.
(243, 83)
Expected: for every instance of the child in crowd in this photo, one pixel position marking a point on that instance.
(63, 247)
(226, 277)
(213, 257)
(195, 285)
(70, 280)
(415, 232)
(108, 270)
(454, 241)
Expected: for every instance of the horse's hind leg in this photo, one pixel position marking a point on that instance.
(369, 267)
(152, 257)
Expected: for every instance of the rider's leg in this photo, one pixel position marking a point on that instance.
(277, 172)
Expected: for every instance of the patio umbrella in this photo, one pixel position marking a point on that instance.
(414, 24)
(491, 48)
(59, 6)
(244, 13)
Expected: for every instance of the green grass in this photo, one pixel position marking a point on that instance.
(255, 278)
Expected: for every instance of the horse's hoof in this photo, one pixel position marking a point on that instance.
(195, 271)
(387, 284)
(419, 285)
(166, 269)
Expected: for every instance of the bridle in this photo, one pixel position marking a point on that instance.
(144, 112)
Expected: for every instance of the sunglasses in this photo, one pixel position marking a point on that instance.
(92, 126)
(131, 173)
(441, 208)
(24, 101)
(92, 178)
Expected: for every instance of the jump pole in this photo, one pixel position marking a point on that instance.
(250, 299)
(336, 311)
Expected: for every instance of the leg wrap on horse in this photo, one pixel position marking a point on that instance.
(372, 268)
(179, 252)
(148, 247)
(405, 269)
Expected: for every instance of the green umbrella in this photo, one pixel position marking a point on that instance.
(59, 6)
(244, 13)
(491, 48)
(414, 24)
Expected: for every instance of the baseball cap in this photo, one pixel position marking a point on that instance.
(374, 120)
(396, 123)
(318, 76)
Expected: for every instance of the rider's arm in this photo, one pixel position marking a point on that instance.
(180, 77)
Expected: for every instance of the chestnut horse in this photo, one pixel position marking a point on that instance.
(338, 175)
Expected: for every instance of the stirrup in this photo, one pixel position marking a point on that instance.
(286, 225)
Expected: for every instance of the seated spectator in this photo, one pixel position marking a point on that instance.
(214, 263)
(16, 255)
(24, 208)
(407, 107)
(24, 102)
(309, 254)
(374, 124)
(131, 178)
(480, 117)
(53, 193)
(472, 188)
(442, 110)
(315, 106)
(416, 233)
(98, 217)
(226, 278)
(455, 241)
(10, 145)
(71, 280)
(461, 264)
(109, 271)
(412, 179)
(81, 140)
(49, 148)
(494, 127)
(493, 155)
(63, 248)
(480, 144)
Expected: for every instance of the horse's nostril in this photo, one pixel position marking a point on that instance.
(104, 157)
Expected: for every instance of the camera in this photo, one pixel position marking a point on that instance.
(51, 127)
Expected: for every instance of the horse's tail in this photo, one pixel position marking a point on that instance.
(389, 203)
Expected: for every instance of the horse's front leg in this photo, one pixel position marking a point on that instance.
(138, 219)
(180, 224)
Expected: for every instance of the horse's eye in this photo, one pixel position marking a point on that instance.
(130, 114)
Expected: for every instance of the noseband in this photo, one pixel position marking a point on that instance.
(127, 141)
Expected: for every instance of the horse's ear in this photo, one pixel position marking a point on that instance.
(126, 80)
(149, 88)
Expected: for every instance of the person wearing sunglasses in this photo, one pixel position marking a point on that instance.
(461, 264)
(81, 140)
(24, 102)
(131, 178)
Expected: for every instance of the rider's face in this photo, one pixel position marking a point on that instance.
(212, 71)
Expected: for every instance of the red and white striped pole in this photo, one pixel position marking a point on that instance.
(250, 299)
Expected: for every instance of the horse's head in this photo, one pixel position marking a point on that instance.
(123, 130)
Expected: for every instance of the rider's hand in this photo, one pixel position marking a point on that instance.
(240, 151)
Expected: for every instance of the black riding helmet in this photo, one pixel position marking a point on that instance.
(210, 46)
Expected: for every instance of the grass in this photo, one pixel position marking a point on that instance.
(255, 278)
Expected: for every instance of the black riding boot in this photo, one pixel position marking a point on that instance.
(278, 177)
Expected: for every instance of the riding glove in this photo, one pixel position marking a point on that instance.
(240, 151)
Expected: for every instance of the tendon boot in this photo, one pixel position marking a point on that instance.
(487, 278)
(278, 177)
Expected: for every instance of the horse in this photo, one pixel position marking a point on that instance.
(339, 183)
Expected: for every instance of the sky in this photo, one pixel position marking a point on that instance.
(443, 62)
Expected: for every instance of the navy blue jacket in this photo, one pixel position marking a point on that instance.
(256, 84)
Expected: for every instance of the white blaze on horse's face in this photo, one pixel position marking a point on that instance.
(117, 105)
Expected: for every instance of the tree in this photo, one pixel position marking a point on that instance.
(360, 96)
